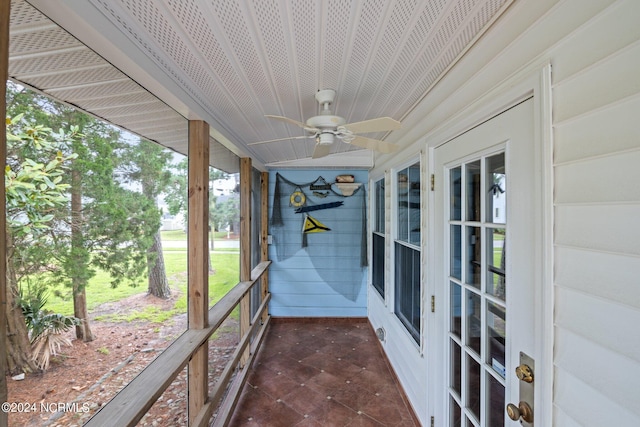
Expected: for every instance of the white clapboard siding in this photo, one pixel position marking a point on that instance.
(609, 325)
(608, 379)
(560, 418)
(601, 274)
(613, 128)
(608, 31)
(609, 178)
(596, 105)
(609, 80)
(610, 228)
(580, 404)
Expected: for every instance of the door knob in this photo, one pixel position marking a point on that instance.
(524, 373)
(523, 410)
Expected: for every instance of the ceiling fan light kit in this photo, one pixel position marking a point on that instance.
(326, 126)
(325, 138)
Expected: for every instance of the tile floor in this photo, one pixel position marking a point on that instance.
(328, 372)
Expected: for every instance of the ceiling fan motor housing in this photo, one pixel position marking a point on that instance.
(326, 122)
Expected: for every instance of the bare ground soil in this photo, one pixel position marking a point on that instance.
(86, 376)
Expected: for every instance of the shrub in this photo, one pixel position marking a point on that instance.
(46, 330)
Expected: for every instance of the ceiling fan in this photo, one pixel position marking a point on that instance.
(326, 127)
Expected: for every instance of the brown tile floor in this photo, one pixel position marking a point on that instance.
(321, 373)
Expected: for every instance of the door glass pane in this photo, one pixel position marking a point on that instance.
(473, 321)
(473, 386)
(496, 402)
(476, 227)
(496, 274)
(456, 252)
(456, 309)
(456, 371)
(473, 191)
(496, 337)
(474, 256)
(455, 179)
(497, 189)
(455, 413)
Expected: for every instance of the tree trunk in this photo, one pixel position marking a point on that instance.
(158, 283)
(18, 352)
(83, 331)
(80, 258)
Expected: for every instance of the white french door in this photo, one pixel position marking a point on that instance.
(485, 229)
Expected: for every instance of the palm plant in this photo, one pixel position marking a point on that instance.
(46, 330)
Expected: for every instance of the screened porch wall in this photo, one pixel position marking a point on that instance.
(326, 278)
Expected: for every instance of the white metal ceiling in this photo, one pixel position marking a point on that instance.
(45, 57)
(242, 59)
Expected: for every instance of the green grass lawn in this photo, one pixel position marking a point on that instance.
(180, 235)
(99, 290)
(173, 235)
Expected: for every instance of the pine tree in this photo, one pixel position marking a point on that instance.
(102, 224)
(149, 167)
(111, 227)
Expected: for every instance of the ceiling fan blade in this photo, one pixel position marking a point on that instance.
(374, 144)
(381, 124)
(293, 122)
(321, 150)
(281, 139)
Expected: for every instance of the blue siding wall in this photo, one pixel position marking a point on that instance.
(326, 278)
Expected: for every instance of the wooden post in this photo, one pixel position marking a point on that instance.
(264, 229)
(4, 74)
(245, 247)
(198, 268)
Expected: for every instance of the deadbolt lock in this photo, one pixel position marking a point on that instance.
(524, 373)
(523, 410)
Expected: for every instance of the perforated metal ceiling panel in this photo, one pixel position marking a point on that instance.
(243, 59)
(45, 57)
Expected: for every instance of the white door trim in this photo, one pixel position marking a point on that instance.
(519, 87)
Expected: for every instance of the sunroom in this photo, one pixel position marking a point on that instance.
(453, 181)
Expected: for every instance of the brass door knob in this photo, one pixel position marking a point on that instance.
(523, 410)
(524, 373)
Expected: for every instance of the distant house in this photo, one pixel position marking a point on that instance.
(172, 222)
